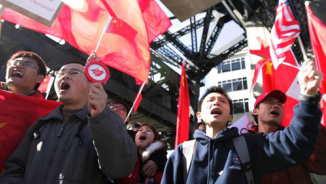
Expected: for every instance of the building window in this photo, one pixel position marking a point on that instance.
(234, 84)
(240, 106)
(231, 65)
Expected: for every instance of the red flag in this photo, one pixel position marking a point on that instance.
(119, 27)
(268, 77)
(137, 102)
(19, 112)
(45, 86)
(284, 78)
(183, 110)
(138, 99)
(317, 30)
(130, 55)
(284, 32)
(264, 53)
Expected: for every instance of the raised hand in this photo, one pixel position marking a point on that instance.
(149, 168)
(309, 79)
(97, 99)
(92, 57)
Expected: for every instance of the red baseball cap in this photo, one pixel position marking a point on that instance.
(275, 93)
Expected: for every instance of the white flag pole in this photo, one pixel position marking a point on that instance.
(138, 94)
(103, 31)
(302, 49)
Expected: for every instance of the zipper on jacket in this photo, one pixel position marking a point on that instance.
(54, 151)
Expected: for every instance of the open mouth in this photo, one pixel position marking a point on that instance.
(216, 111)
(17, 73)
(275, 112)
(64, 86)
(142, 137)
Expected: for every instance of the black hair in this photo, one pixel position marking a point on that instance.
(75, 62)
(40, 62)
(119, 101)
(255, 116)
(215, 89)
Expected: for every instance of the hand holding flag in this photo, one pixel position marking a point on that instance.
(308, 83)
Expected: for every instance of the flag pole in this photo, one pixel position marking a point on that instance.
(103, 31)
(302, 49)
(138, 94)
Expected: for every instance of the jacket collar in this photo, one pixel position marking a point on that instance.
(222, 135)
(56, 113)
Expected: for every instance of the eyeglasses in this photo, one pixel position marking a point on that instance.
(121, 108)
(26, 64)
(272, 102)
(72, 72)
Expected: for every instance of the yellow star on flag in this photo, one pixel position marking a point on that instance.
(269, 66)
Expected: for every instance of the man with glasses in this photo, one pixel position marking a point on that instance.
(121, 108)
(81, 141)
(25, 72)
(216, 157)
(268, 114)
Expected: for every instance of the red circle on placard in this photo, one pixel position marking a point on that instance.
(96, 71)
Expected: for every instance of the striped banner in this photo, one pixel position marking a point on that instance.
(284, 32)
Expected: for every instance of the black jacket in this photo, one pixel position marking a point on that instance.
(63, 152)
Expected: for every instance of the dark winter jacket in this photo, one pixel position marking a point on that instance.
(63, 152)
(215, 161)
(299, 173)
(156, 152)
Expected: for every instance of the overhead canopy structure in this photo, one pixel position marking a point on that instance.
(198, 40)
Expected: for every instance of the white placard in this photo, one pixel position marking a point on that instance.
(43, 11)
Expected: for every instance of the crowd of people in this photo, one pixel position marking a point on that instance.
(86, 139)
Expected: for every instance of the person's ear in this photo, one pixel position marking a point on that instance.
(231, 118)
(40, 78)
(255, 112)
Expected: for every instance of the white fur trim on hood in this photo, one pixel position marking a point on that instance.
(151, 149)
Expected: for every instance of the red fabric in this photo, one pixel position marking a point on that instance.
(82, 30)
(17, 114)
(268, 77)
(258, 68)
(182, 132)
(317, 30)
(283, 79)
(286, 81)
(137, 102)
(133, 177)
(284, 32)
(44, 85)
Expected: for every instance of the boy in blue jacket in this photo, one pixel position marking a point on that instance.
(215, 159)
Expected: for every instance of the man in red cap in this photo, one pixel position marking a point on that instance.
(268, 114)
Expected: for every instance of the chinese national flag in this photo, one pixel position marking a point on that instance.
(284, 78)
(45, 86)
(17, 114)
(143, 20)
(119, 27)
(317, 29)
(268, 77)
(183, 110)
